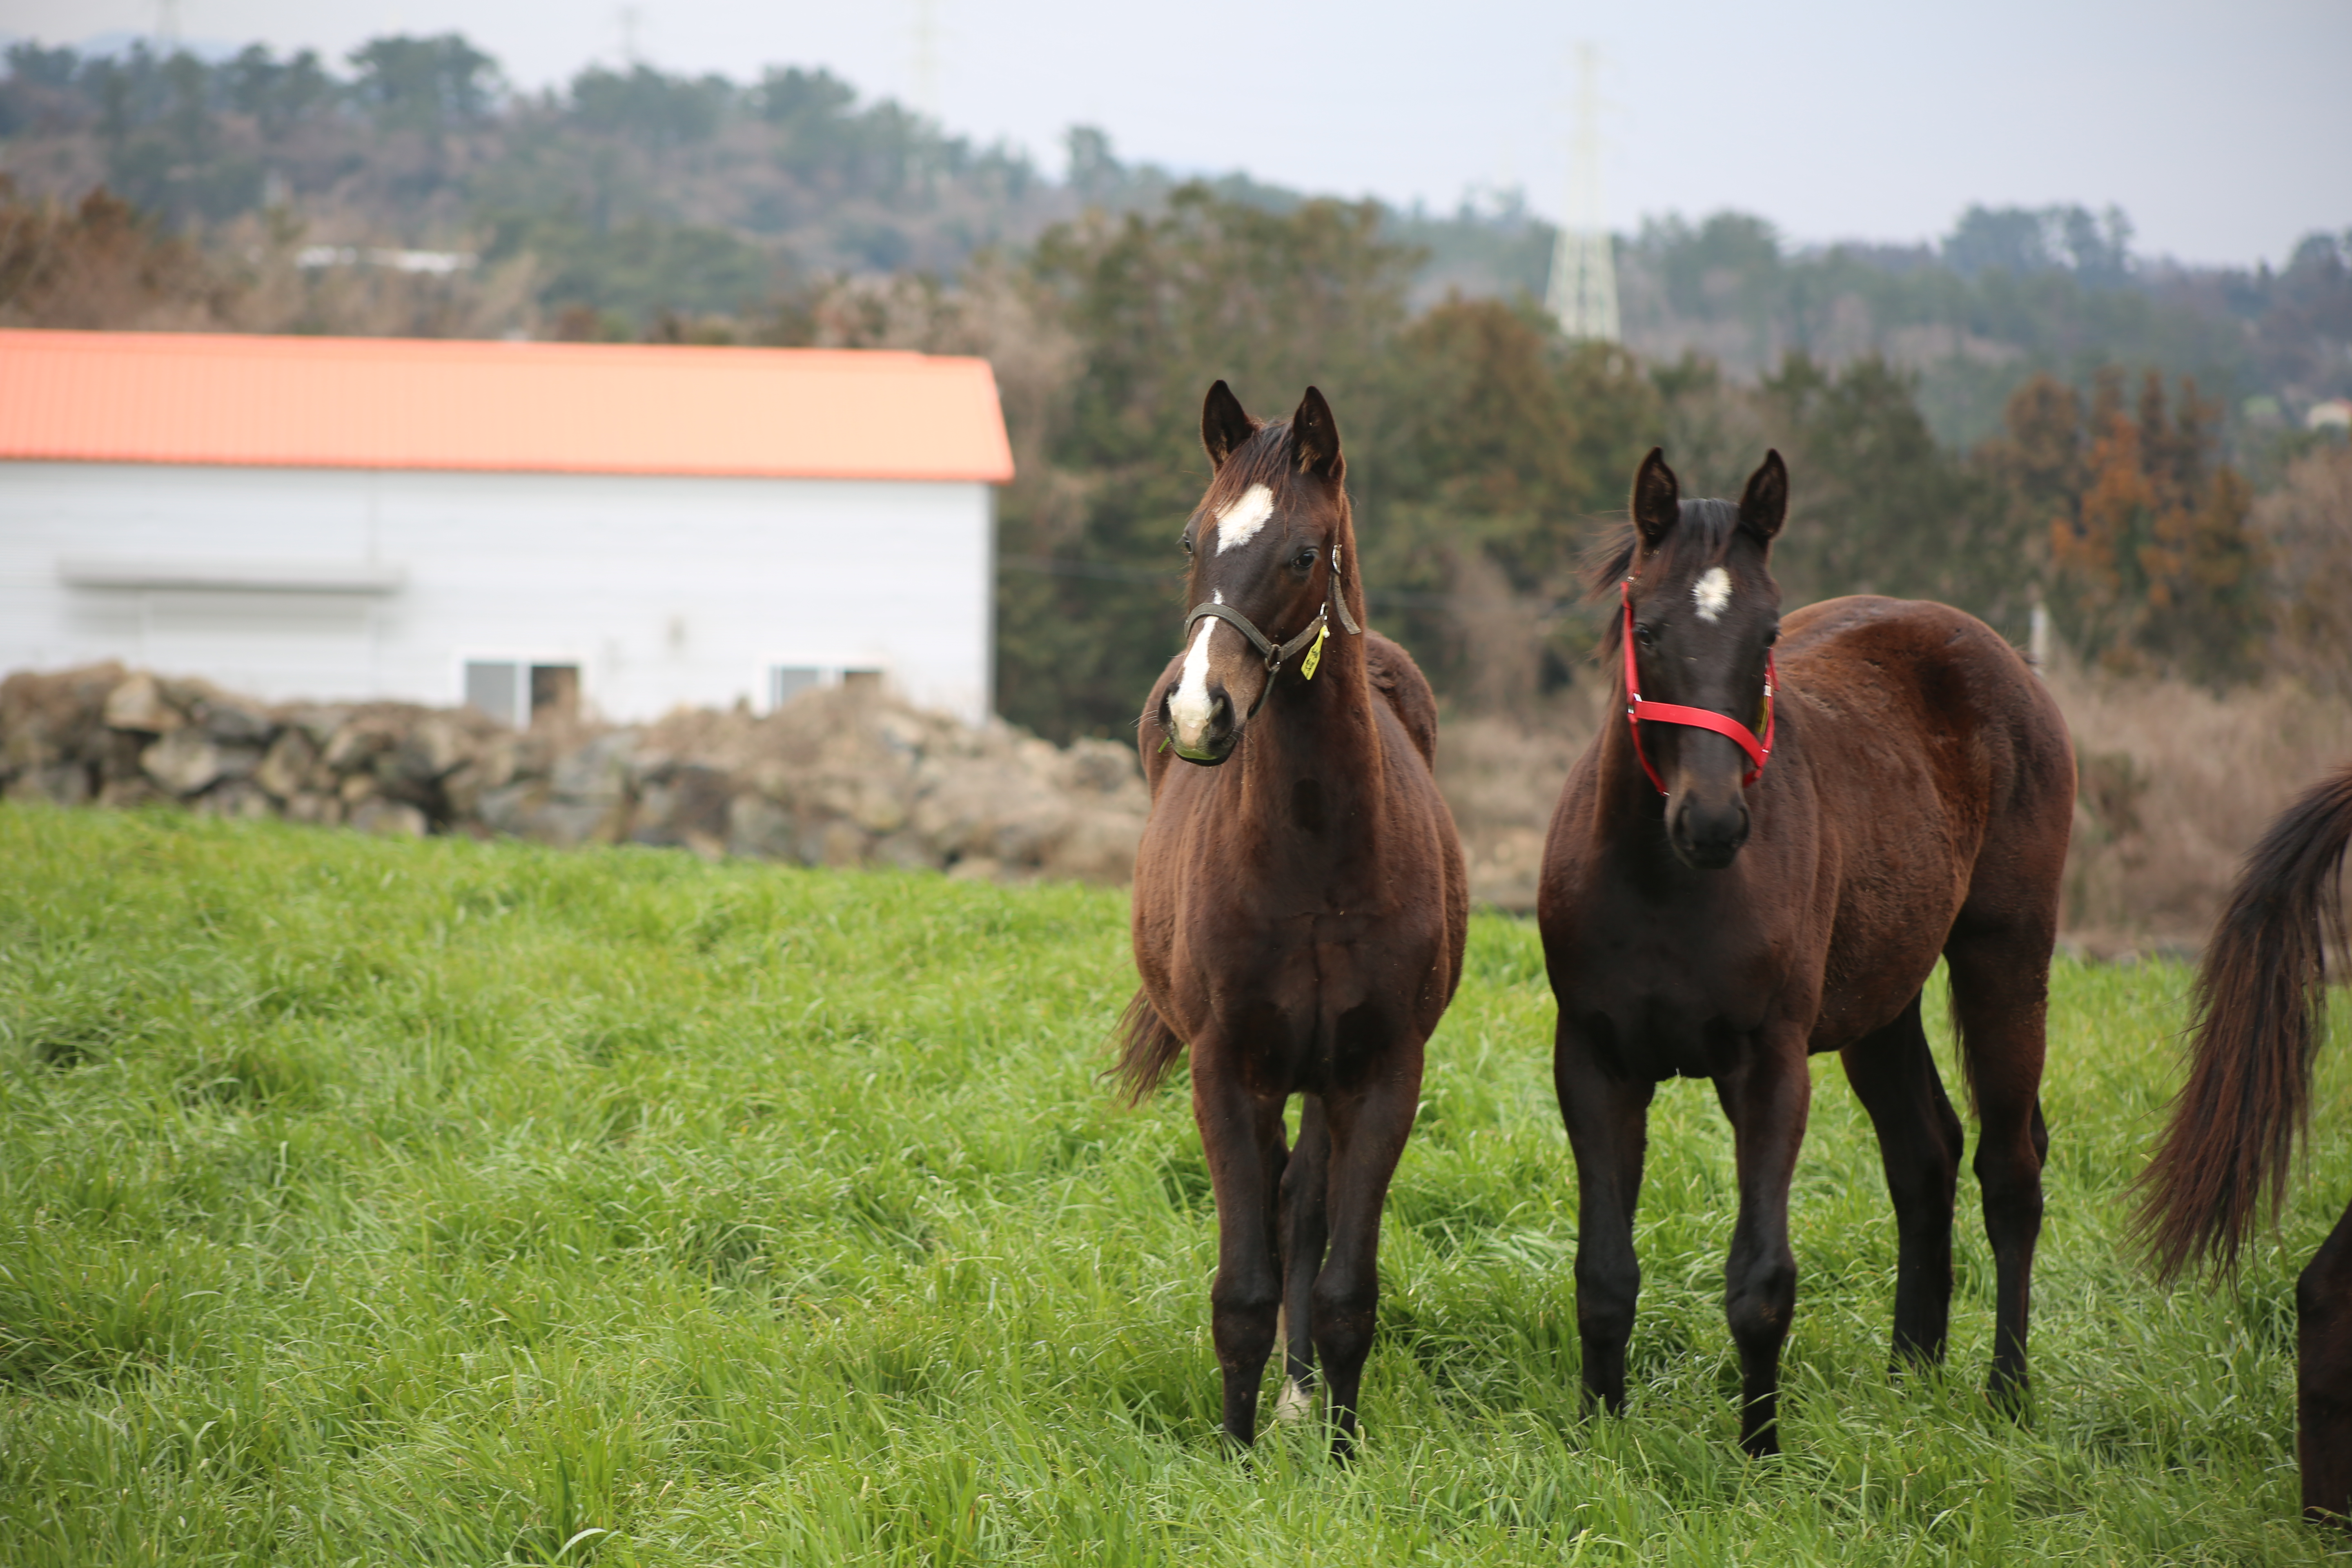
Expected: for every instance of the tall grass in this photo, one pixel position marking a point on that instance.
(2176, 783)
(444, 1202)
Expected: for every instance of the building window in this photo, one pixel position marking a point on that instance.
(786, 681)
(498, 689)
(519, 693)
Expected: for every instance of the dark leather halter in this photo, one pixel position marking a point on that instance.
(1637, 710)
(1278, 653)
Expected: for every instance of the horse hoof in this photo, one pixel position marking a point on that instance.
(1295, 1403)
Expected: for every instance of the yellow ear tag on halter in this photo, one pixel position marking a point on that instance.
(1314, 654)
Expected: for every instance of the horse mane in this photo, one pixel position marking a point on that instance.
(1703, 533)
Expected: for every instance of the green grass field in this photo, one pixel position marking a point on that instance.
(371, 1202)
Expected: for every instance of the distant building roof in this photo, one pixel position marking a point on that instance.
(587, 408)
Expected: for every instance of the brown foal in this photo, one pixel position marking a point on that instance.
(1300, 905)
(1742, 913)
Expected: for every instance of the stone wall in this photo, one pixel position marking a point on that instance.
(837, 777)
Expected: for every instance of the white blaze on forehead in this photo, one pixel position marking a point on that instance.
(1190, 706)
(1239, 523)
(1711, 593)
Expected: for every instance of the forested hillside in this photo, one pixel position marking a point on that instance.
(2026, 412)
(635, 192)
(1483, 445)
(633, 197)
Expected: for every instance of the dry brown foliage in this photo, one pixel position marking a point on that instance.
(2177, 782)
(1501, 774)
(99, 265)
(2306, 527)
(274, 294)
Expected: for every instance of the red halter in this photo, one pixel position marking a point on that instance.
(1636, 710)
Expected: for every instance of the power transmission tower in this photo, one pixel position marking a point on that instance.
(167, 26)
(921, 166)
(1582, 293)
(926, 59)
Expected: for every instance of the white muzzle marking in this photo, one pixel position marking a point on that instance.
(1239, 523)
(1190, 707)
(1711, 593)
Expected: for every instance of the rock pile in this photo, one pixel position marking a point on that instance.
(837, 777)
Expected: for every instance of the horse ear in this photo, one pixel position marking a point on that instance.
(1318, 434)
(1764, 504)
(1225, 426)
(1657, 499)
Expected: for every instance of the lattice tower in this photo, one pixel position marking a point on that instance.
(1582, 293)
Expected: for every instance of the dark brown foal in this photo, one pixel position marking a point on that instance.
(1711, 910)
(1300, 905)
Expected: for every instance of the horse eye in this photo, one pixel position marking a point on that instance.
(1773, 636)
(1187, 542)
(1642, 634)
(1304, 559)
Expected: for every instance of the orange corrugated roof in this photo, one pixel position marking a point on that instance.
(590, 408)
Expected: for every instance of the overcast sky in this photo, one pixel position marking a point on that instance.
(2222, 131)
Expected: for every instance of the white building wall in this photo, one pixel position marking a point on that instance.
(664, 591)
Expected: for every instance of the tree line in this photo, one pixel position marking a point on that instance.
(2159, 531)
(632, 200)
(638, 190)
(1486, 452)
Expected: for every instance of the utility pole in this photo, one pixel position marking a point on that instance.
(1583, 294)
(167, 26)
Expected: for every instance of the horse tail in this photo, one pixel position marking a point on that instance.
(1146, 1048)
(2261, 1014)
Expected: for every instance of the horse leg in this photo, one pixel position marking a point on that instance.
(1768, 1099)
(1240, 1133)
(2323, 1377)
(2001, 981)
(1304, 1230)
(1607, 1120)
(1368, 1128)
(1919, 1144)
